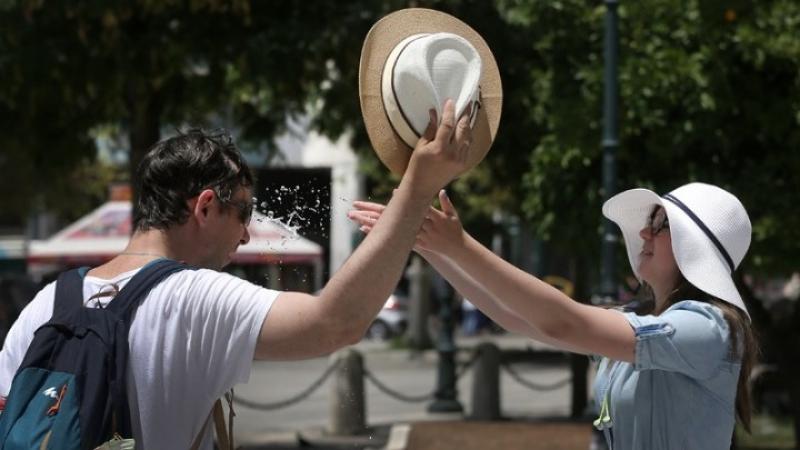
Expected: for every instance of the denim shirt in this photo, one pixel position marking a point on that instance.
(680, 392)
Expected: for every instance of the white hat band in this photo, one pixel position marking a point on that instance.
(704, 228)
(420, 73)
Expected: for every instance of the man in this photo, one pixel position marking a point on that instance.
(197, 332)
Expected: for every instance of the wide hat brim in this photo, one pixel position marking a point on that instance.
(698, 259)
(381, 39)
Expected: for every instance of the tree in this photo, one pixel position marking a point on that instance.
(709, 89)
(70, 67)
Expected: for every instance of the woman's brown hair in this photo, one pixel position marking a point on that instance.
(744, 342)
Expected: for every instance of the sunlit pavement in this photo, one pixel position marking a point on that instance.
(410, 374)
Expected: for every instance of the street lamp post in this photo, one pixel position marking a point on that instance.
(610, 144)
(446, 394)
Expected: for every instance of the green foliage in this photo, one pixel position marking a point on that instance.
(70, 66)
(711, 93)
(709, 90)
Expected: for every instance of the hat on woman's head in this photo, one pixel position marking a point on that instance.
(412, 61)
(709, 228)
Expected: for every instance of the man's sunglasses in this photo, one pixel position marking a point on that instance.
(657, 221)
(244, 208)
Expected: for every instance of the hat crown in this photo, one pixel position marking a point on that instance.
(390, 133)
(722, 213)
(421, 73)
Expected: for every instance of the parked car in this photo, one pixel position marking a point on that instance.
(392, 319)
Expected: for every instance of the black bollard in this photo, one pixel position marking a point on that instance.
(486, 383)
(419, 306)
(347, 407)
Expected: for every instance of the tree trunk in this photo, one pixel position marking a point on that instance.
(796, 403)
(792, 368)
(579, 364)
(144, 110)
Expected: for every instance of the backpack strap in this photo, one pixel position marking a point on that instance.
(148, 276)
(69, 292)
(199, 438)
(124, 304)
(69, 288)
(223, 438)
(219, 421)
(224, 435)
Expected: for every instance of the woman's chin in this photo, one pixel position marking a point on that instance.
(644, 273)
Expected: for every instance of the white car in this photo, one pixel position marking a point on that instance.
(391, 321)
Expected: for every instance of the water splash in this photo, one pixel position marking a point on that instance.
(300, 206)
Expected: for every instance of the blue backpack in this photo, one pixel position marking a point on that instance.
(70, 391)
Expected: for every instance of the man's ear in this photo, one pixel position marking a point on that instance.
(200, 206)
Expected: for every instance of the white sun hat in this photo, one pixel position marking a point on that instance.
(413, 60)
(709, 228)
(422, 72)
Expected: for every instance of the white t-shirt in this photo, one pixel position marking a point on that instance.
(191, 339)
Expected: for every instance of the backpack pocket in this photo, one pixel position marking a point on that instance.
(41, 412)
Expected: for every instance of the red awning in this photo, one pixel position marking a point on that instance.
(101, 234)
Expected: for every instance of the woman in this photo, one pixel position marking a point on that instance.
(675, 378)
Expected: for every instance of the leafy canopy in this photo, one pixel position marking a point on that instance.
(709, 90)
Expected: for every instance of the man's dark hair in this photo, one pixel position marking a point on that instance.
(179, 168)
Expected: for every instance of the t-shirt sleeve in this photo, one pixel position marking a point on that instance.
(690, 338)
(19, 337)
(225, 315)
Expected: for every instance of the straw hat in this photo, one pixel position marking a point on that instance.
(413, 60)
(709, 228)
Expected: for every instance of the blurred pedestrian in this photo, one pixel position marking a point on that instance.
(474, 321)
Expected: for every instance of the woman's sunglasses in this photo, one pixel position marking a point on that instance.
(657, 221)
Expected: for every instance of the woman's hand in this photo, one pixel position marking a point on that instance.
(441, 232)
(366, 214)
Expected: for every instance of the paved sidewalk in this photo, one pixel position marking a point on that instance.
(520, 435)
(525, 434)
(426, 431)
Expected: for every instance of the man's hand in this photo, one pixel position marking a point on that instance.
(441, 153)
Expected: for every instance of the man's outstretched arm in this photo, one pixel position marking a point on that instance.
(301, 325)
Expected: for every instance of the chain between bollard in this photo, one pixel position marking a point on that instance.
(381, 386)
(292, 400)
(534, 386)
(464, 367)
(392, 393)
